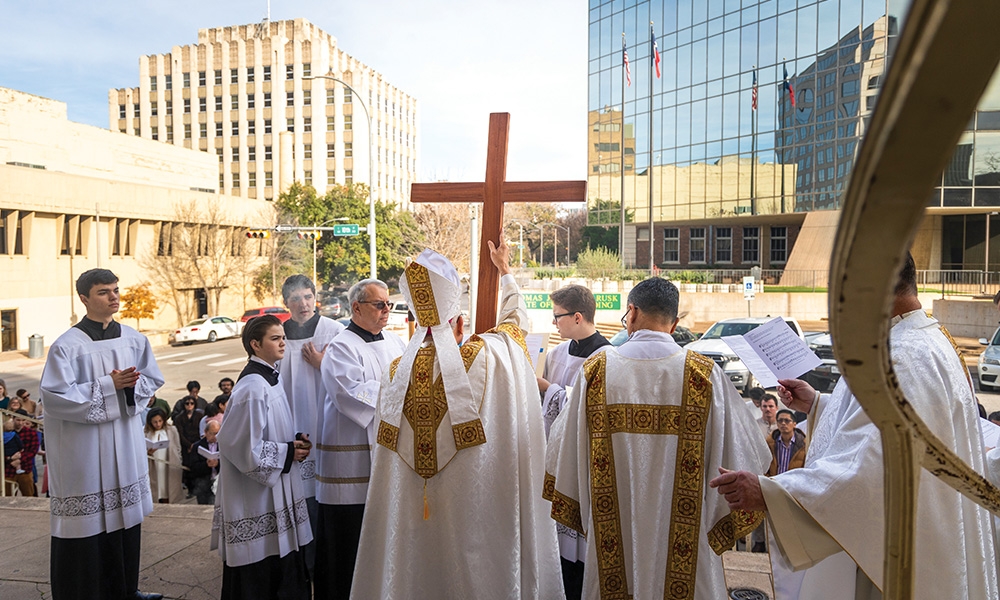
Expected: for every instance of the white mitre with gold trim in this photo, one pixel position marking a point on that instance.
(429, 437)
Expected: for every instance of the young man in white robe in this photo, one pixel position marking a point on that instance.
(352, 375)
(828, 517)
(573, 311)
(455, 506)
(261, 521)
(629, 457)
(307, 334)
(98, 376)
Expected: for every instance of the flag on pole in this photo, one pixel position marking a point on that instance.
(788, 86)
(628, 72)
(656, 53)
(753, 92)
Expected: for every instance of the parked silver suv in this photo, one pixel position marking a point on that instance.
(711, 345)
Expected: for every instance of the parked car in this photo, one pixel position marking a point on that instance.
(282, 313)
(334, 305)
(712, 346)
(989, 362)
(681, 335)
(399, 315)
(827, 374)
(208, 329)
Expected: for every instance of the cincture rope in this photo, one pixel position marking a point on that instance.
(427, 508)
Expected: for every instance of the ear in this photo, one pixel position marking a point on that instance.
(673, 326)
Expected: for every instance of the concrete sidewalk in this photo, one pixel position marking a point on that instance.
(176, 561)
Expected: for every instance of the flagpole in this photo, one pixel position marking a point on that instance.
(621, 225)
(652, 63)
(753, 144)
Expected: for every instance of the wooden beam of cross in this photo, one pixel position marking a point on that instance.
(494, 193)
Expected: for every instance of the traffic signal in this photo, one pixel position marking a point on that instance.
(310, 235)
(258, 233)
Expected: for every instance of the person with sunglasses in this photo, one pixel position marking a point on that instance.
(351, 369)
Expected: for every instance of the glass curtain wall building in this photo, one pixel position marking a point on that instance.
(742, 146)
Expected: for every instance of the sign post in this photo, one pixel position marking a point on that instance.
(748, 291)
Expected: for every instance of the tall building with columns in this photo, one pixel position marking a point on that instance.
(254, 96)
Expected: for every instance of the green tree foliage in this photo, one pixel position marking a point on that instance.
(598, 263)
(346, 259)
(603, 219)
(138, 302)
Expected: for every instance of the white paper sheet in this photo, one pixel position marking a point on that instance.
(991, 433)
(208, 453)
(773, 351)
(160, 445)
(538, 344)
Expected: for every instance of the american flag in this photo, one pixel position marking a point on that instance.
(628, 71)
(656, 53)
(753, 92)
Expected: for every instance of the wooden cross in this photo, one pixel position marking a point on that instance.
(493, 194)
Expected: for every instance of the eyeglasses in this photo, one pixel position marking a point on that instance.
(378, 304)
(626, 316)
(189, 404)
(560, 315)
(785, 421)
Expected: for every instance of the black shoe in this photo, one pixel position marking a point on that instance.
(759, 547)
(151, 596)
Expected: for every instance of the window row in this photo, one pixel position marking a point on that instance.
(717, 246)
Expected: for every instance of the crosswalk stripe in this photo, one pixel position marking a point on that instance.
(198, 358)
(174, 355)
(227, 362)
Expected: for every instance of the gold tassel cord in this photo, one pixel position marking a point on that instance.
(427, 508)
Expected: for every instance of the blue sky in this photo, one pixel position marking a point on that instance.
(460, 59)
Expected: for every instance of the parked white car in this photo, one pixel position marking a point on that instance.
(399, 315)
(208, 329)
(711, 346)
(989, 362)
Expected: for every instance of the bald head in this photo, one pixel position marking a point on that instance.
(211, 429)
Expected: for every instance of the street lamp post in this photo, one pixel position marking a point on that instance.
(555, 243)
(371, 197)
(520, 240)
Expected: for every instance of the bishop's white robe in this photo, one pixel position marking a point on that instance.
(306, 393)
(561, 370)
(98, 477)
(259, 510)
(487, 534)
(646, 426)
(352, 373)
(835, 502)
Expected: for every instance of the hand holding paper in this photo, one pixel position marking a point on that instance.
(773, 351)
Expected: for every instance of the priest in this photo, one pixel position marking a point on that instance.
(828, 517)
(573, 312)
(454, 507)
(307, 335)
(97, 378)
(629, 456)
(352, 375)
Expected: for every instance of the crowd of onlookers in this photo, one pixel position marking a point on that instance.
(174, 435)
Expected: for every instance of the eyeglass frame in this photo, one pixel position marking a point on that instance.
(375, 304)
(785, 420)
(560, 315)
(627, 311)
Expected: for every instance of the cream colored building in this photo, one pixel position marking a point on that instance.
(74, 197)
(244, 94)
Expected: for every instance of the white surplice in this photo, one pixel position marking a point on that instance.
(642, 384)
(487, 534)
(352, 373)
(96, 451)
(836, 500)
(259, 511)
(304, 388)
(561, 370)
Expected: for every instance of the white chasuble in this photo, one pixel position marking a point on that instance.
(836, 500)
(455, 507)
(98, 477)
(306, 393)
(352, 374)
(259, 511)
(628, 463)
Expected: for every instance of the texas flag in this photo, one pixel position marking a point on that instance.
(656, 53)
(788, 86)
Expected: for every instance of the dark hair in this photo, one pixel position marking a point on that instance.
(255, 330)
(221, 400)
(296, 282)
(152, 413)
(211, 410)
(192, 385)
(225, 379)
(656, 297)
(769, 397)
(906, 285)
(785, 411)
(21, 393)
(757, 393)
(88, 279)
(995, 415)
(21, 411)
(577, 299)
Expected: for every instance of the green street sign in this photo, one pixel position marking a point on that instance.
(537, 301)
(345, 230)
(543, 301)
(608, 301)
